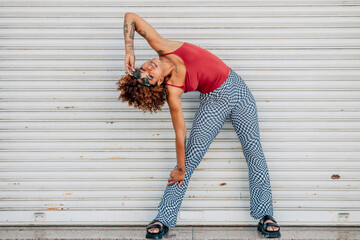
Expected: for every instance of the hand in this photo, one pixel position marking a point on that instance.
(129, 63)
(177, 176)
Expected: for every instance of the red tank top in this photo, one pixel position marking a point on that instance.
(205, 72)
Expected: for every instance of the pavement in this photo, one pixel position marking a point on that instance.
(186, 232)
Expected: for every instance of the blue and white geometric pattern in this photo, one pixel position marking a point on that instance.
(232, 99)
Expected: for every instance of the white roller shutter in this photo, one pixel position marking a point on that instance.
(72, 153)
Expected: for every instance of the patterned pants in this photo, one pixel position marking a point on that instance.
(232, 99)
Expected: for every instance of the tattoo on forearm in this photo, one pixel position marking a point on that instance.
(180, 169)
(132, 30)
(129, 44)
(142, 33)
(126, 28)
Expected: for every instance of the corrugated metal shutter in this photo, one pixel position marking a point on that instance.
(71, 151)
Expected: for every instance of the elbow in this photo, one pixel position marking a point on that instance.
(181, 133)
(130, 14)
(184, 133)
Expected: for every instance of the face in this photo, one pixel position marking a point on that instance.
(152, 71)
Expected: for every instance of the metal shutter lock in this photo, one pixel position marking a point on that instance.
(343, 217)
(39, 216)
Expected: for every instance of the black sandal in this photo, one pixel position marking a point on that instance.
(263, 228)
(163, 230)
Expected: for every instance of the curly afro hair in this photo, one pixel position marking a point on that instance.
(146, 98)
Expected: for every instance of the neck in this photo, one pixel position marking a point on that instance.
(167, 67)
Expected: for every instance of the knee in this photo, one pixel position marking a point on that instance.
(200, 139)
(252, 145)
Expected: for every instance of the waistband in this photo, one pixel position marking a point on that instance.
(231, 77)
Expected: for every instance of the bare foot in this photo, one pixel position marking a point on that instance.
(154, 230)
(271, 228)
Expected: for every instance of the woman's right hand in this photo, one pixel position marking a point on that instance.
(130, 63)
(176, 175)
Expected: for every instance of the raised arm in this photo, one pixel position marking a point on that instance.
(132, 23)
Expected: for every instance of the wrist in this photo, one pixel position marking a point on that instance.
(181, 169)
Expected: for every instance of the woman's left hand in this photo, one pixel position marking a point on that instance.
(176, 176)
(129, 63)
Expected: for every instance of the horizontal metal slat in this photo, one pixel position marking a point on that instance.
(233, 33)
(138, 174)
(94, 64)
(111, 85)
(247, 75)
(235, 164)
(191, 3)
(203, 183)
(111, 95)
(231, 146)
(143, 54)
(132, 124)
(277, 154)
(193, 12)
(160, 134)
(93, 44)
(231, 216)
(189, 104)
(194, 203)
(183, 22)
(56, 195)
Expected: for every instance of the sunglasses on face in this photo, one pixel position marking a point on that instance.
(144, 81)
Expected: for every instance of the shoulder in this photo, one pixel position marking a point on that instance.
(174, 84)
(174, 96)
(174, 92)
(169, 46)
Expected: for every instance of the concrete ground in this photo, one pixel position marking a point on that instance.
(190, 232)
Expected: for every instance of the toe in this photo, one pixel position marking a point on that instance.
(271, 228)
(154, 230)
(274, 228)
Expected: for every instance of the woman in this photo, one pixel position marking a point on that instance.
(184, 67)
